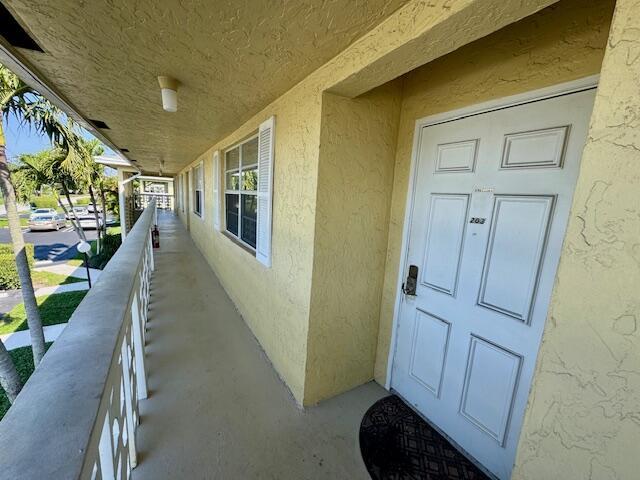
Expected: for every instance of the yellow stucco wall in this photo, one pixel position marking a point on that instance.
(561, 43)
(583, 419)
(320, 338)
(275, 302)
(355, 178)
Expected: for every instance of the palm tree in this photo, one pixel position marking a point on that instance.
(34, 172)
(90, 173)
(9, 378)
(13, 94)
(18, 98)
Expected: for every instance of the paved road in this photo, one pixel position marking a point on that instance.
(52, 245)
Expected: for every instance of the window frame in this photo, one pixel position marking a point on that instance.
(240, 191)
(198, 170)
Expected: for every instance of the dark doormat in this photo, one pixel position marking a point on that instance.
(397, 444)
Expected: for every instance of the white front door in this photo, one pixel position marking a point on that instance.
(492, 195)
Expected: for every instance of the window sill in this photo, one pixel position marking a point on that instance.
(240, 244)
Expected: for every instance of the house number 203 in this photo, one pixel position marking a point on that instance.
(477, 220)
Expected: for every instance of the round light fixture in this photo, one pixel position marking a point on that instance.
(83, 247)
(169, 90)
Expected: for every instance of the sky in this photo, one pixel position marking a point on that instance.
(23, 139)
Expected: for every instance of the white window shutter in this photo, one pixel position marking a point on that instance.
(216, 190)
(266, 135)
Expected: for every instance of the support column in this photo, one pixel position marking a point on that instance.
(583, 419)
(122, 202)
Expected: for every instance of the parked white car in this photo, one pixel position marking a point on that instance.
(47, 221)
(79, 211)
(44, 211)
(88, 222)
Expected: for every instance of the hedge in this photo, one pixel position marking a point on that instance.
(82, 201)
(44, 201)
(8, 273)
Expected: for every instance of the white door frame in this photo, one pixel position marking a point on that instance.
(558, 90)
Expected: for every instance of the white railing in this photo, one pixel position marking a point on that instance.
(76, 417)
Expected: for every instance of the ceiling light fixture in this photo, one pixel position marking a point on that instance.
(169, 89)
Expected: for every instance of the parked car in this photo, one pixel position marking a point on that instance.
(88, 222)
(44, 211)
(47, 221)
(79, 211)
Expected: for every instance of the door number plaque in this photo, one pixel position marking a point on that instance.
(479, 220)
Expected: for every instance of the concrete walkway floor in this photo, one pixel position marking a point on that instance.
(216, 408)
(23, 337)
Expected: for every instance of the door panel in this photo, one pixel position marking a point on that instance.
(447, 221)
(537, 148)
(516, 242)
(429, 347)
(489, 387)
(456, 156)
(490, 206)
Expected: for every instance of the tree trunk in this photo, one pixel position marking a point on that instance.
(9, 378)
(22, 263)
(76, 226)
(97, 217)
(103, 204)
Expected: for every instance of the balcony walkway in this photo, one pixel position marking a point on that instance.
(216, 407)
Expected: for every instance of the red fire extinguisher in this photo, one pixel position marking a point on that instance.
(155, 237)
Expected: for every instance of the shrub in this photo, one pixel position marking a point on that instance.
(110, 244)
(44, 201)
(82, 201)
(8, 273)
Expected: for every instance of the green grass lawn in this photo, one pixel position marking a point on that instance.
(54, 309)
(4, 222)
(23, 360)
(49, 279)
(110, 244)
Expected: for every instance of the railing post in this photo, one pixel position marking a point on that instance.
(128, 399)
(138, 345)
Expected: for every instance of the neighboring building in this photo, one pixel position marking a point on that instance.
(494, 145)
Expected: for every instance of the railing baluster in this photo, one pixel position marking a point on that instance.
(127, 373)
(138, 347)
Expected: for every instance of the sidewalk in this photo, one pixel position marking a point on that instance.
(23, 339)
(63, 268)
(12, 298)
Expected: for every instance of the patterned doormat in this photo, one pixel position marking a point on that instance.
(397, 444)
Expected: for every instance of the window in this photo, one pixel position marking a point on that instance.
(241, 191)
(247, 183)
(198, 189)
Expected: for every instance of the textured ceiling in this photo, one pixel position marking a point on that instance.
(232, 58)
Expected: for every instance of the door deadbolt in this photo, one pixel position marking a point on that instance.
(410, 285)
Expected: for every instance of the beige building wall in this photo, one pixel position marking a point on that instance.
(583, 419)
(355, 179)
(316, 311)
(561, 43)
(273, 301)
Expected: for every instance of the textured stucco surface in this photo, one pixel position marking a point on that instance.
(232, 58)
(583, 419)
(275, 302)
(355, 179)
(422, 31)
(561, 43)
